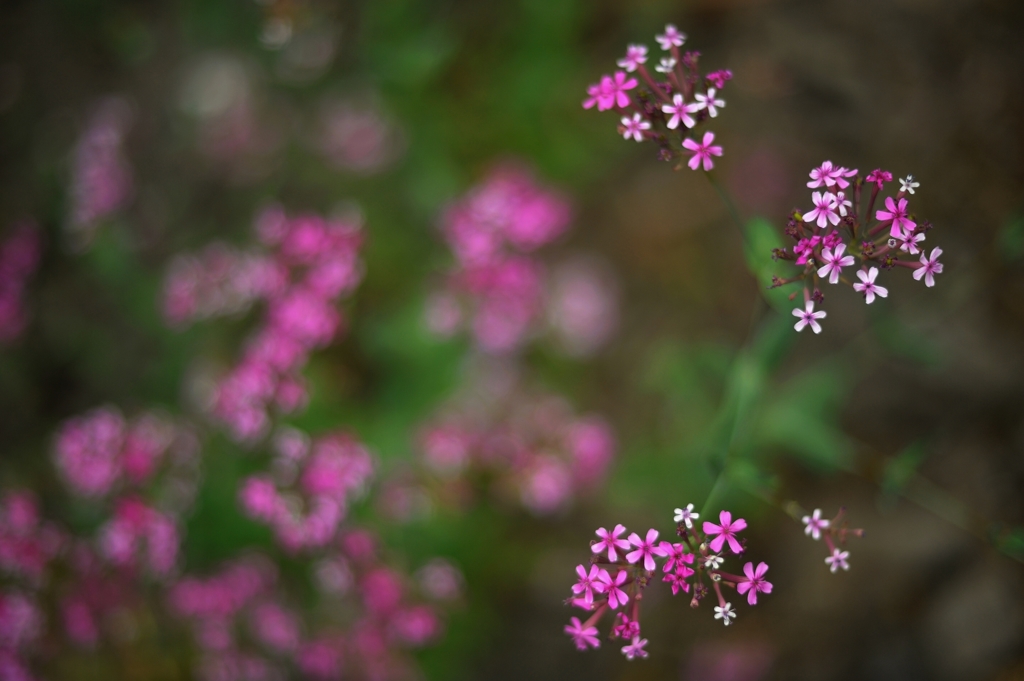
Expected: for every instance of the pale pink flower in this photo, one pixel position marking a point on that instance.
(842, 173)
(909, 242)
(670, 38)
(837, 560)
(679, 112)
(589, 582)
(609, 541)
(703, 151)
(755, 582)
(834, 261)
(613, 587)
(708, 102)
(634, 127)
(645, 549)
(897, 214)
(825, 209)
(825, 174)
(808, 317)
(814, 522)
(635, 56)
(843, 204)
(725, 532)
(581, 636)
(635, 649)
(929, 267)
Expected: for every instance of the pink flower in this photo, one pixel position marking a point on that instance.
(677, 555)
(589, 583)
(929, 267)
(842, 173)
(868, 287)
(595, 93)
(635, 649)
(635, 56)
(897, 213)
(834, 261)
(726, 532)
(703, 151)
(580, 636)
(805, 249)
(678, 580)
(879, 177)
(808, 317)
(613, 587)
(909, 242)
(718, 78)
(754, 583)
(832, 240)
(609, 541)
(843, 204)
(814, 522)
(838, 560)
(634, 127)
(645, 549)
(825, 174)
(617, 91)
(670, 38)
(625, 627)
(679, 112)
(825, 209)
(708, 102)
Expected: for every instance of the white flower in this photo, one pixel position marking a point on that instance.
(908, 185)
(709, 102)
(838, 560)
(687, 516)
(666, 65)
(725, 613)
(713, 562)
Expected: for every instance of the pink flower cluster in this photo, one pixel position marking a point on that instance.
(318, 480)
(27, 543)
(836, 233)
(101, 182)
(99, 451)
(19, 257)
(358, 137)
(314, 262)
(21, 623)
(835, 531)
(139, 537)
(497, 287)
(623, 566)
(664, 109)
(372, 614)
(535, 450)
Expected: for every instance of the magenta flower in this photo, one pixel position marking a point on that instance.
(805, 249)
(670, 38)
(616, 95)
(838, 560)
(929, 267)
(634, 127)
(635, 649)
(703, 151)
(726, 532)
(825, 209)
(834, 261)
(807, 317)
(624, 627)
(610, 541)
(589, 583)
(677, 580)
(879, 177)
(635, 56)
(708, 102)
(910, 241)
(825, 174)
(814, 522)
(718, 78)
(645, 549)
(581, 636)
(677, 555)
(897, 213)
(613, 587)
(755, 582)
(679, 112)
(593, 95)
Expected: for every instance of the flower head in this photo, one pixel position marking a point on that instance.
(755, 582)
(635, 56)
(634, 127)
(870, 289)
(825, 174)
(619, 85)
(703, 151)
(679, 112)
(838, 560)
(708, 102)
(666, 65)
(908, 185)
(897, 214)
(671, 38)
(613, 587)
(725, 613)
(645, 549)
(834, 261)
(635, 649)
(929, 267)
(581, 636)
(725, 532)
(825, 209)
(909, 242)
(879, 177)
(588, 583)
(814, 522)
(718, 78)
(808, 317)
(609, 541)
(713, 561)
(686, 516)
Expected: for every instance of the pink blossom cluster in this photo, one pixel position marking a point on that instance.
(27, 543)
(358, 137)
(839, 230)
(19, 257)
(21, 624)
(533, 449)
(664, 108)
(372, 614)
(140, 538)
(835, 532)
(306, 496)
(101, 182)
(497, 287)
(622, 566)
(313, 263)
(100, 451)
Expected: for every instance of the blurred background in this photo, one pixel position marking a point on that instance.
(131, 133)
